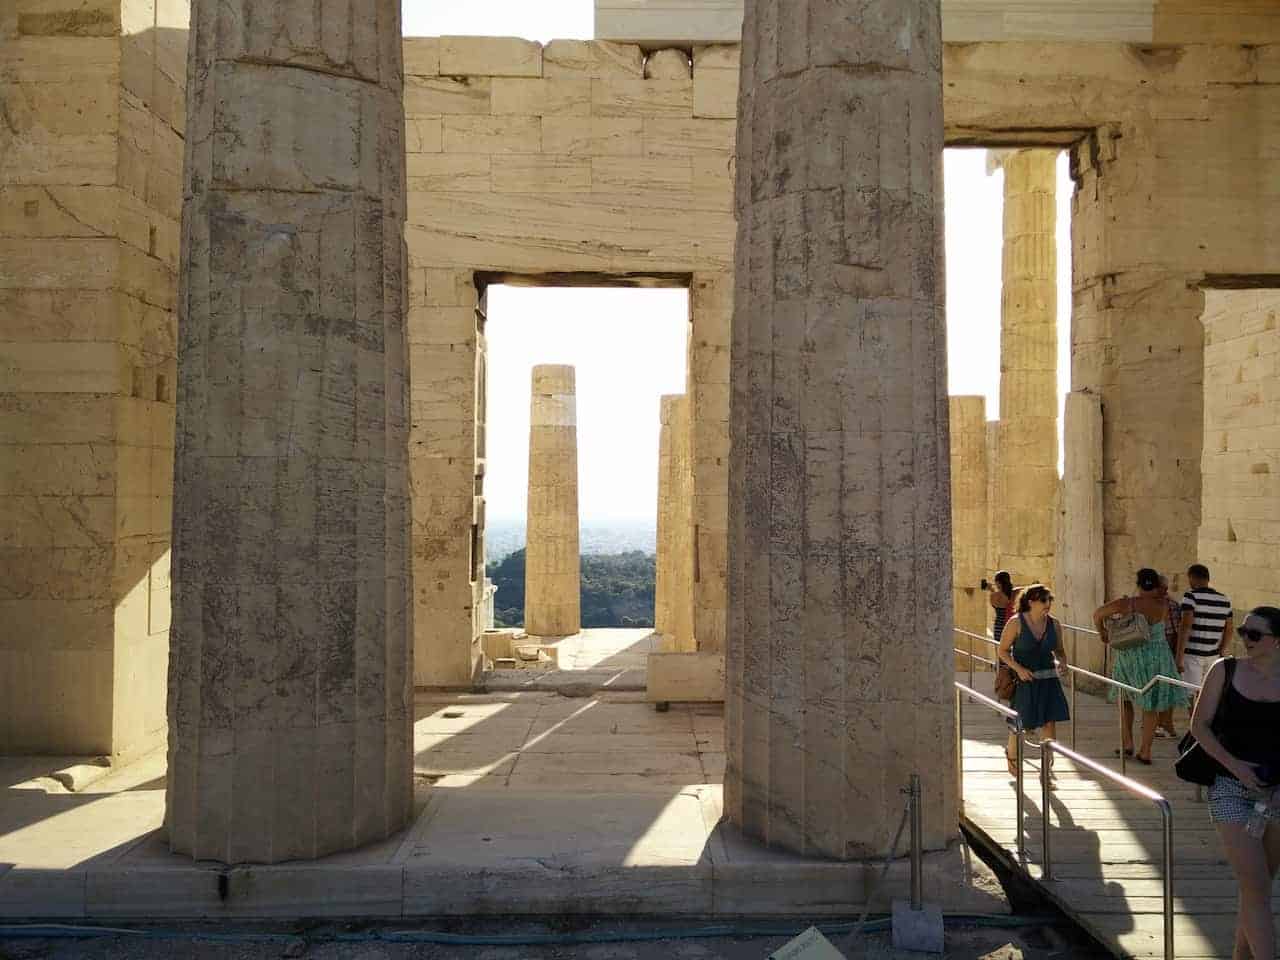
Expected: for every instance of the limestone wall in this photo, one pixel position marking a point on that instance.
(568, 159)
(969, 521)
(1240, 525)
(90, 192)
(1174, 186)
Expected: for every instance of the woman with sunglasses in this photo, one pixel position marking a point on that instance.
(1244, 803)
(1028, 645)
(1138, 665)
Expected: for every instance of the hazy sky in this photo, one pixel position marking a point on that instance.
(629, 346)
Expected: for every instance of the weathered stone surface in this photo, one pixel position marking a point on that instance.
(674, 581)
(552, 578)
(290, 683)
(839, 659)
(669, 64)
(969, 512)
(1080, 585)
(1026, 468)
(1239, 527)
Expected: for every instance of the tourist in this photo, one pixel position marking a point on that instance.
(1139, 664)
(1029, 645)
(1003, 596)
(1204, 628)
(1164, 728)
(1244, 801)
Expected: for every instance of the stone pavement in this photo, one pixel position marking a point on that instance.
(527, 803)
(605, 658)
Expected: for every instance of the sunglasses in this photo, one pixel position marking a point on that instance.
(1252, 635)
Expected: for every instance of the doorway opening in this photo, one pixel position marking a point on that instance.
(627, 348)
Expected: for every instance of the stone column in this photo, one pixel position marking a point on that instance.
(1027, 464)
(839, 665)
(969, 521)
(673, 589)
(552, 573)
(290, 685)
(1081, 584)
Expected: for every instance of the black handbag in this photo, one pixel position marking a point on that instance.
(1194, 764)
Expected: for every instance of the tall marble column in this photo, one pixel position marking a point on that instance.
(839, 662)
(1025, 505)
(290, 680)
(673, 586)
(552, 571)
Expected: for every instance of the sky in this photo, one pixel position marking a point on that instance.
(595, 329)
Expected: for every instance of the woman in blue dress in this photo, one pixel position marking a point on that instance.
(1138, 665)
(1032, 647)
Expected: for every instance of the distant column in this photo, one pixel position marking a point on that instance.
(290, 663)
(839, 667)
(552, 578)
(1081, 585)
(673, 589)
(969, 519)
(1027, 477)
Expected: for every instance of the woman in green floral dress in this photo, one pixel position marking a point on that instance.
(1138, 665)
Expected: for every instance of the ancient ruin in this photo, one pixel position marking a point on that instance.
(272, 368)
(552, 580)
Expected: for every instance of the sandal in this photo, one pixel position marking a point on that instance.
(1128, 752)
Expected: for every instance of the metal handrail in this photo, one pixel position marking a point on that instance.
(1081, 671)
(961, 692)
(1047, 749)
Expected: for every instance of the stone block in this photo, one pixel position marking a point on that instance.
(447, 172)
(434, 96)
(715, 93)
(421, 57)
(670, 64)
(593, 137)
(423, 135)
(490, 57)
(683, 138)
(685, 677)
(542, 97)
(631, 97)
(593, 59)
(642, 179)
(492, 135)
(542, 174)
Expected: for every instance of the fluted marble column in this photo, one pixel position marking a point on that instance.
(290, 683)
(1027, 468)
(839, 661)
(673, 586)
(552, 572)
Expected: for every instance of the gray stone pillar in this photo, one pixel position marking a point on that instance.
(290, 683)
(552, 566)
(1026, 495)
(839, 661)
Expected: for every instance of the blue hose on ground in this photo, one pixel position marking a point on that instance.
(53, 931)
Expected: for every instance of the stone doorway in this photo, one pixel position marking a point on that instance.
(569, 529)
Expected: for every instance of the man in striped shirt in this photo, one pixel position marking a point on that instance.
(1205, 627)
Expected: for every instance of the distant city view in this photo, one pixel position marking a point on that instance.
(504, 537)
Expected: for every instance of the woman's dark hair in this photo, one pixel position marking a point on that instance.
(1271, 615)
(1148, 579)
(1035, 592)
(1004, 582)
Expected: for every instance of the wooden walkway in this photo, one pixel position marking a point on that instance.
(1106, 843)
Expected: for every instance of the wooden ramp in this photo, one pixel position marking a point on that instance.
(1106, 843)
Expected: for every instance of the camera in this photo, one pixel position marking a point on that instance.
(984, 584)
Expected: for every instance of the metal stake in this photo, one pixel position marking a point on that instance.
(1046, 753)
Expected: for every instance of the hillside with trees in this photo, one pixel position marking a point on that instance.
(617, 589)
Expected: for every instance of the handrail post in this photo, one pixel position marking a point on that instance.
(1124, 766)
(1046, 753)
(970, 663)
(1019, 752)
(917, 846)
(1166, 816)
(960, 745)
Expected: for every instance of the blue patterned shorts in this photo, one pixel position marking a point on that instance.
(1231, 802)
